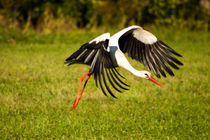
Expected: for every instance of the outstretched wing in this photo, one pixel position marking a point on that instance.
(144, 47)
(88, 51)
(103, 68)
(95, 54)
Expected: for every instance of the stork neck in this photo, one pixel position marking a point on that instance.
(123, 62)
(135, 72)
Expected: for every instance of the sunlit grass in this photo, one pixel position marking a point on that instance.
(37, 91)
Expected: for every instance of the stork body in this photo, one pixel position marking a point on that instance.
(105, 53)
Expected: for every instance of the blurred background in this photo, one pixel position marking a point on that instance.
(37, 89)
(65, 15)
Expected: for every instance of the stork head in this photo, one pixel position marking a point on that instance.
(147, 75)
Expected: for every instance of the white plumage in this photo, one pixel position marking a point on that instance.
(115, 38)
(102, 37)
(144, 36)
(105, 53)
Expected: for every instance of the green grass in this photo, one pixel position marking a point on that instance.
(37, 91)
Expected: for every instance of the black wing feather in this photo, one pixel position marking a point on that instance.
(117, 83)
(165, 66)
(154, 69)
(95, 55)
(170, 49)
(166, 58)
(113, 85)
(105, 83)
(158, 65)
(154, 57)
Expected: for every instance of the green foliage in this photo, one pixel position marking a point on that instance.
(79, 10)
(51, 15)
(179, 13)
(37, 91)
(118, 13)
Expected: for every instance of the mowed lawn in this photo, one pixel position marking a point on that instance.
(37, 91)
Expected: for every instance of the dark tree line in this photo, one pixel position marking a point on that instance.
(67, 14)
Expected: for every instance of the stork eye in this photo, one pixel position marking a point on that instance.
(146, 75)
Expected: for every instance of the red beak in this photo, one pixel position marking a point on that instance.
(155, 81)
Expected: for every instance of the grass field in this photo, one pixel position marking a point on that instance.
(37, 91)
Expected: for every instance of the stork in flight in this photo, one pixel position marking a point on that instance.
(105, 53)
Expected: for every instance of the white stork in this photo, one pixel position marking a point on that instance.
(105, 53)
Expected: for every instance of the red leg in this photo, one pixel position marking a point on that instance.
(79, 95)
